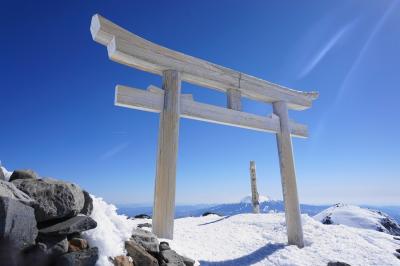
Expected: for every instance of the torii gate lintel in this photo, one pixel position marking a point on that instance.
(126, 48)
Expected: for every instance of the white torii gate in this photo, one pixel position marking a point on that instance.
(129, 49)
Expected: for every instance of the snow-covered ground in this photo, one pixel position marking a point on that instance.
(356, 216)
(260, 239)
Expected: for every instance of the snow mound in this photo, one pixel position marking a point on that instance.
(356, 216)
(260, 239)
(248, 200)
(111, 232)
(7, 173)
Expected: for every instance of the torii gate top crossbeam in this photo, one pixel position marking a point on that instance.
(132, 50)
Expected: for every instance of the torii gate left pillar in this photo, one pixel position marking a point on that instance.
(164, 188)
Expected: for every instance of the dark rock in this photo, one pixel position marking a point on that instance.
(86, 257)
(164, 246)
(327, 220)
(23, 174)
(53, 199)
(397, 256)
(122, 261)
(55, 245)
(396, 238)
(188, 261)
(77, 244)
(36, 255)
(210, 213)
(146, 239)
(398, 250)
(337, 263)
(148, 225)
(142, 216)
(73, 225)
(88, 205)
(172, 258)
(139, 255)
(391, 225)
(9, 190)
(17, 222)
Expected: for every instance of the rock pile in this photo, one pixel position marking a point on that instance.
(144, 249)
(41, 220)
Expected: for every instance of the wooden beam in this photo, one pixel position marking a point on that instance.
(234, 101)
(152, 101)
(164, 192)
(255, 199)
(288, 176)
(129, 49)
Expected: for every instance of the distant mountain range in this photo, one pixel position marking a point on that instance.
(244, 206)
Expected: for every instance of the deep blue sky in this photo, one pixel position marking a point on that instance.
(57, 92)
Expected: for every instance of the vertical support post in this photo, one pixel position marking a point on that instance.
(233, 99)
(164, 192)
(288, 176)
(254, 193)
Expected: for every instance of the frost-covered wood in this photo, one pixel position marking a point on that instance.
(254, 193)
(288, 176)
(164, 192)
(152, 100)
(129, 49)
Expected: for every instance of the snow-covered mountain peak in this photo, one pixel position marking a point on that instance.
(247, 199)
(355, 216)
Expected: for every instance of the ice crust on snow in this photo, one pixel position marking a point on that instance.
(111, 232)
(260, 239)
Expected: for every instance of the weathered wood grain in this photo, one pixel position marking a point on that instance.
(152, 101)
(129, 49)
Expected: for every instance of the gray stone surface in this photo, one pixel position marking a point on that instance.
(55, 245)
(73, 225)
(23, 174)
(146, 239)
(88, 205)
(171, 258)
(188, 261)
(139, 255)
(86, 257)
(17, 222)
(9, 190)
(53, 199)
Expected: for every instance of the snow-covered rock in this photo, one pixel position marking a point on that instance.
(356, 216)
(5, 175)
(248, 200)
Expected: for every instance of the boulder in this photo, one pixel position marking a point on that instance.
(148, 225)
(171, 258)
(73, 225)
(188, 261)
(146, 239)
(142, 216)
(164, 246)
(122, 261)
(54, 245)
(88, 205)
(337, 263)
(53, 199)
(77, 244)
(23, 174)
(8, 189)
(17, 222)
(86, 257)
(139, 255)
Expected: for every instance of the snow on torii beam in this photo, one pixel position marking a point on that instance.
(127, 48)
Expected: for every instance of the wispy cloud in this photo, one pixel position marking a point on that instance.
(115, 150)
(325, 49)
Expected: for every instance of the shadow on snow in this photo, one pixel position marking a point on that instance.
(218, 220)
(249, 259)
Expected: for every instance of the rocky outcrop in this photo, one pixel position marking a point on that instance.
(146, 239)
(73, 225)
(41, 221)
(23, 174)
(139, 254)
(86, 257)
(53, 199)
(17, 222)
(142, 216)
(122, 261)
(8, 190)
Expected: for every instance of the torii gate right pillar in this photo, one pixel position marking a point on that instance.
(288, 176)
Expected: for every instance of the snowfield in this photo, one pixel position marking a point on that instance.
(260, 239)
